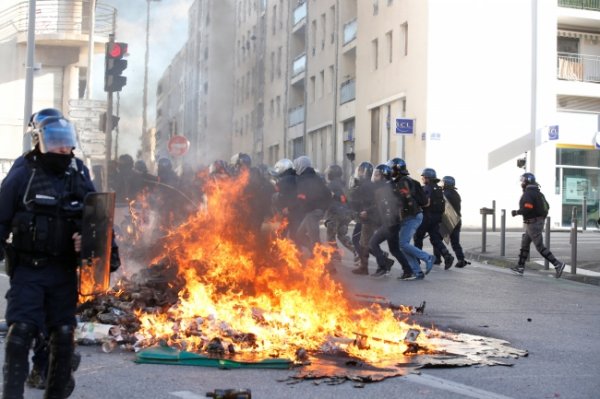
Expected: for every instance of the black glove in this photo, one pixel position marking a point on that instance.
(514, 213)
(115, 259)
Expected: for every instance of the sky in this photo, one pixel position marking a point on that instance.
(168, 33)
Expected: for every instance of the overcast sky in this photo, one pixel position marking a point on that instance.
(168, 33)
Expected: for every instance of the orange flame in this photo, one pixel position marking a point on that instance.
(257, 294)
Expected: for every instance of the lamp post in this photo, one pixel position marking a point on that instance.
(145, 101)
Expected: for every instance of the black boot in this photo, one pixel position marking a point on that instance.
(61, 358)
(16, 365)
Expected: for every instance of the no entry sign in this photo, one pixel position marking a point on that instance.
(178, 146)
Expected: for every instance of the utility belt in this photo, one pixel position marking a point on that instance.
(533, 220)
(16, 258)
(42, 234)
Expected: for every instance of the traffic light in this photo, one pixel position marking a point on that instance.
(114, 65)
(114, 122)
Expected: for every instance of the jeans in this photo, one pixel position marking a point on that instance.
(408, 227)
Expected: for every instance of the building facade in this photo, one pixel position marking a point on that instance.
(60, 71)
(482, 86)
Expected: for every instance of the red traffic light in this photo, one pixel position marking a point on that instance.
(116, 50)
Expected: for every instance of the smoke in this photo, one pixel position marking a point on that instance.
(168, 34)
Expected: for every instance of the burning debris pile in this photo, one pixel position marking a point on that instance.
(222, 290)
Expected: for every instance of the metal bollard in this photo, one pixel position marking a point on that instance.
(584, 214)
(503, 232)
(494, 216)
(547, 242)
(484, 212)
(573, 241)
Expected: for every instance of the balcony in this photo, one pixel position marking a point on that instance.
(347, 91)
(579, 67)
(581, 4)
(299, 20)
(296, 116)
(299, 65)
(57, 20)
(350, 29)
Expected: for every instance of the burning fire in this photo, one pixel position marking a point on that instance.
(257, 296)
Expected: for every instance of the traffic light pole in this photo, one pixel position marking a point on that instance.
(108, 130)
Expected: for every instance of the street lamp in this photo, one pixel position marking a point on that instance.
(145, 110)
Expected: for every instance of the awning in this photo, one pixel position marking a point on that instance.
(580, 35)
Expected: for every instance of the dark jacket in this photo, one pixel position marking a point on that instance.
(531, 203)
(312, 193)
(362, 198)
(454, 198)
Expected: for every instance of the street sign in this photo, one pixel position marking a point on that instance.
(553, 132)
(405, 126)
(597, 140)
(178, 146)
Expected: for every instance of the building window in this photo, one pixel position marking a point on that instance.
(279, 55)
(404, 39)
(272, 72)
(274, 19)
(331, 80)
(332, 23)
(375, 53)
(323, 30)
(312, 90)
(390, 2)
(272, 108)
(389, 42)
(375, 7)
(321, 83)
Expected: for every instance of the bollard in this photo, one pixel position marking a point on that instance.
(494, 216)
(573, 241)
(484, 212)
(547, 242)
(584, 214)
(503, 232)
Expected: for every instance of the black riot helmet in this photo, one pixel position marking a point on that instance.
(398, 167)
(364, 171)
(382, 172)
(333, 172)
(218, 168)
(449, 182)
(527, 179)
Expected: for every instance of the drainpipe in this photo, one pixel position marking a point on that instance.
(92, 27)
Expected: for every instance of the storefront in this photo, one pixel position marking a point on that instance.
(578, 181)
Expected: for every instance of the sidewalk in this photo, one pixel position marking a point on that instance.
(587, 254)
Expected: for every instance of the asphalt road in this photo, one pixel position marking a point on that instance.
(556, 321)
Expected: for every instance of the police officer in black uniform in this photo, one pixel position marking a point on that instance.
(338, 215)
(41, 205)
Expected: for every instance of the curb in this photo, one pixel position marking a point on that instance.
(529, 266)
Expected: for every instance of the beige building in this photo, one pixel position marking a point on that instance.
(466, 87)
(60, 70)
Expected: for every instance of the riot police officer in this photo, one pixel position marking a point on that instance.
(41, 205)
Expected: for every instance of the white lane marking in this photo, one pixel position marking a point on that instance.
(452, 386)
(186, 395)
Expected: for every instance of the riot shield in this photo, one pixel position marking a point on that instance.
(96, 240)
(450, 219)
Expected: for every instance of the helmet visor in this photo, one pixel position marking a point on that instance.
(57, 135)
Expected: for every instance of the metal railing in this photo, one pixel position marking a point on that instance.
(582, 4)
(296, 116)
(299, 65)
(57, 17)
(350, 29)
(579, 67)
(347, 91)
(299, 13)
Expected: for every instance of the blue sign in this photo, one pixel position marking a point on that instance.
(405, 126)
(597, 140)
(553, 132)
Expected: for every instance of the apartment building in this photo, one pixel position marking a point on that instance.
(195, 94)
(470, 88)
(60, 71)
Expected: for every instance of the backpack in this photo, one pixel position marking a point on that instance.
(542, 207)
(417, 192)
(438, 203)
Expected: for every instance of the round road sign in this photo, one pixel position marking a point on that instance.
(178, 146)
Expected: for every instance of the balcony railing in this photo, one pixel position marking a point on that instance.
(299, 13)
(350, 31)
(579, 67)
(299, 65)
(582, 4)
(296, 116)
(347, 91)
(57, 17)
